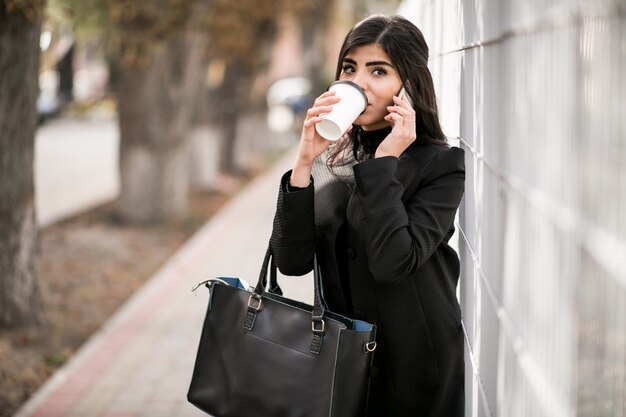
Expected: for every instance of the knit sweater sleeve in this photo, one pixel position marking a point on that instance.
(400, 237)
(293, 233)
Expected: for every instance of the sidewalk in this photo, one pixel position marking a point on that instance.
(76, 161)
(75, 166)
(140, 362)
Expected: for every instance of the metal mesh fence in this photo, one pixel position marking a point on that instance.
(535, 92)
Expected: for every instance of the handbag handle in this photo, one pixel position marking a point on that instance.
(319, 304)
(262, 281)
(274, 288)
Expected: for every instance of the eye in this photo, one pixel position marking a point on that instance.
(379, 71)
(348, 69)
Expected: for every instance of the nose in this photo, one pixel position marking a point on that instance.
(359, 79)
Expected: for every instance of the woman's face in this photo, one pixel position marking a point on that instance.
(370, 68)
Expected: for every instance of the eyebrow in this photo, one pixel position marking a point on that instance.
(368, 64)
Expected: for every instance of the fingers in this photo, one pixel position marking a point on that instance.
(402, 102)
(396, 116)
(401, 112)
(323, 104)
(312, 121)
(328, 98)
(327, 94)
(402, 107)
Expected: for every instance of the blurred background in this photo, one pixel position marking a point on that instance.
(141, 104)
(182, 78)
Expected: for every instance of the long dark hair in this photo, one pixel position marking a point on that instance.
(405, 45)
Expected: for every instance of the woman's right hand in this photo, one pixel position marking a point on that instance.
(311, 143)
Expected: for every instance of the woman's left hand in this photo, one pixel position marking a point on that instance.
(402, 117)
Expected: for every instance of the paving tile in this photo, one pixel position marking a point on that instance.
(140, 363)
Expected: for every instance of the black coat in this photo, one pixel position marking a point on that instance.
(382, 243)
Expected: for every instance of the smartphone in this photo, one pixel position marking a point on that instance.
(403, 94)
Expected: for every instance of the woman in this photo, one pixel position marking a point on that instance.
(378, 208)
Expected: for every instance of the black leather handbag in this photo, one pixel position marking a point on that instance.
(264, 355)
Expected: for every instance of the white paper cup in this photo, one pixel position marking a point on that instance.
(353, 102)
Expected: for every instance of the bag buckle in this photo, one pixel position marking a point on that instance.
(252, 311)
(322, 328)
(259, 303)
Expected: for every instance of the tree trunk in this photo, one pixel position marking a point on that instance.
(20, 302)
(155, 110)
(230, 108)
(313, 31)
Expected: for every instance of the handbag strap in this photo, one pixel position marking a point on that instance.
(274, 288)
(268, 264)
(317, 277)
(319, 307)
(318, 325)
